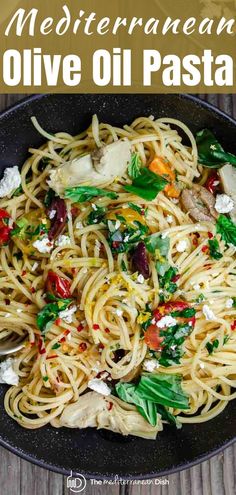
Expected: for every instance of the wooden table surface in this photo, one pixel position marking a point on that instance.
(214, 477)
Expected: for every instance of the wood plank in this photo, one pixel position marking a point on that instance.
(214, 477)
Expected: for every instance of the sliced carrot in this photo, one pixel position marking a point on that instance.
(172, 191)
(160, 167)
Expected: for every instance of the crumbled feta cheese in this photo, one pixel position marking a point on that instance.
(63, 240)
(43, 245)
(119, 312)
(117, 224)
(19, 310)
(224, 204)
(99, 386)
(10, 182)
(7, 315)
(202, 365)
(208, 313)
(166, 321)
(67, 314)
(79, 225)
(164, 235)
(35, 266)
(94, 207)
(140, 279)
(181, 246)
(196, 287)
(150, 365)
(52, 214)
(169, 218)
(7, 374)
(229, 303)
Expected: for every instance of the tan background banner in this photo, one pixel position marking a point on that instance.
(117, 46)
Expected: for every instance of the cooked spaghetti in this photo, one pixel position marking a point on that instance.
(118, 272)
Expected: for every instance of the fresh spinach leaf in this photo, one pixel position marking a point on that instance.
(164, 389)
(210, 152)
(81, 194)
(134, 166)
(147, 185)
(128, 393)
(227, 229)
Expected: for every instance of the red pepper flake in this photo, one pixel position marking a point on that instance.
(82, 347)
(23, 273)
(110, 406)
(208, 267)
(42, 349)
(107, 330)
(66, 332)
(100, 346)
(32, 344)
(58, 321)
(233, 326)
(7, 302)
(80, 328)
(176, 278)
(63, 339)
(210, 235)
(96, 327)
(197, 235)
(115, 244)
(32, 290)
(74, 271)
(195, 241)
(204, 249)
(143, 212)
(52, 357)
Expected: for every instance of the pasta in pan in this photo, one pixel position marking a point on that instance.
(118, 272)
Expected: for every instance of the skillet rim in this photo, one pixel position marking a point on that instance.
(90, 475)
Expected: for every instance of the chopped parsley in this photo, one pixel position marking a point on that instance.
(214, 249)
(210, 346)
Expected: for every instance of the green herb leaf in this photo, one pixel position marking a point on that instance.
(134, 166)
(163, 389)
(210, 152)
(155, 241)
(45, 378)
(200, 298)
(135, 208)
(212, 345)
(50, 312)
(147, 185)
(214, 249)
(227, 229)
(56, 346)
(96, 216)
(86, 193)
(166, 415)
(49, 197)
(128, 393)
(20, 230)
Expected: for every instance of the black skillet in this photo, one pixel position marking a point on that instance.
(101, 454)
